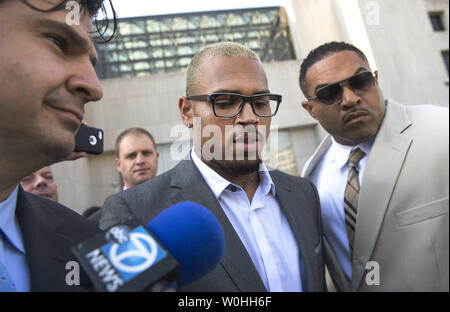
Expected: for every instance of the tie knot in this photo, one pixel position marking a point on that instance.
(355, 156)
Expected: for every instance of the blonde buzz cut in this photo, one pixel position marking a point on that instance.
(226, 49)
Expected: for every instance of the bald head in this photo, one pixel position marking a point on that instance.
(41, 183)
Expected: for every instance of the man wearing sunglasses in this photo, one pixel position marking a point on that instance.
(382, 177)
(271, 220)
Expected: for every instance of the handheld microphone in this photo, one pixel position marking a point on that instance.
(180, 245)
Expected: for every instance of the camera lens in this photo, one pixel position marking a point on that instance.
(92, 140)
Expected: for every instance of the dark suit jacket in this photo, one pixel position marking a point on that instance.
(95, 217)
(297, 197)
(48, 231)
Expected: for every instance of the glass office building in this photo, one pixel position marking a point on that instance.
(166, 43)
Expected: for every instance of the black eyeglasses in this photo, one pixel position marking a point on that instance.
(332, 93)
(228, 105)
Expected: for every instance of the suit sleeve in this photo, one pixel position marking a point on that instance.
(115, 211)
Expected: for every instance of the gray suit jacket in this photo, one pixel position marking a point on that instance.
(402, 220)
(297, 197)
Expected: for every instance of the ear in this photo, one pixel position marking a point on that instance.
(376, 76)
(309, 108)
(117, 162)
(186, 110)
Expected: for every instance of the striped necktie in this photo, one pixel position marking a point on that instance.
(351, 195)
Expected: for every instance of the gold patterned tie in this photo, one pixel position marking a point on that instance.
(351, 195)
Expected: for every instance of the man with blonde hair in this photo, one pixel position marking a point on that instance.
(271, 220)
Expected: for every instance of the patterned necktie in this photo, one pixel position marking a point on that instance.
(351, 195)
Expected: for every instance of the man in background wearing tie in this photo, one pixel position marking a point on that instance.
(382, 176)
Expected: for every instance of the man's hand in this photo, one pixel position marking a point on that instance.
(75, 155)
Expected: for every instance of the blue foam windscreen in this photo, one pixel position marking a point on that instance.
(193, 236)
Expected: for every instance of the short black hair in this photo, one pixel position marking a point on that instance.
(94, 7)
(320, 53)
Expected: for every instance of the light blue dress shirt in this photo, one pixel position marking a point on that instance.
(12, 251)
(330, 178)
(261, 226)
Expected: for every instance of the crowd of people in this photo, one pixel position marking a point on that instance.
(375, 190)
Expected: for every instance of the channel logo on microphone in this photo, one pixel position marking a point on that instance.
(136, 252)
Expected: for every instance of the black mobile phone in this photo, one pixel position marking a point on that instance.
(89, 140)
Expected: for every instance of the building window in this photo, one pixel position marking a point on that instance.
(445, 57)
(168, 42)
(436, 21)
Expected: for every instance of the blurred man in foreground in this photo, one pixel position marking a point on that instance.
(47, 76)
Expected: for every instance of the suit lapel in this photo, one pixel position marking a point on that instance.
(236, 262)
(388, 154)
(316, 157)
(45, 249)
(290, 203)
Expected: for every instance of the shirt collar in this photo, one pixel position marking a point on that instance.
(218, 184)
(8, 222)
(266, 181)
(338, 154)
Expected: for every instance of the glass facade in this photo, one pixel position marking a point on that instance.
(167, 43)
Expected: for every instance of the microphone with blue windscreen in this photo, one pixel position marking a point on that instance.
(180, 245)
(194, 237)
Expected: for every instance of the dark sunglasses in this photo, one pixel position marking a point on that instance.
(332, 93)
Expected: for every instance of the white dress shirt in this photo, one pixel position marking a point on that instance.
(261, 226)
(330, 177)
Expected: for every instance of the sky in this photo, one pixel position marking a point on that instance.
(130, 8)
